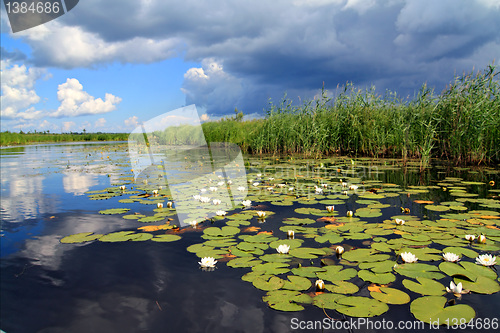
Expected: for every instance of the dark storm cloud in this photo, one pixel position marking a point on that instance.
(260, 49)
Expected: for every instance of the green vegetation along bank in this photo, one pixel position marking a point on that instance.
(462, 124)
(10, 138)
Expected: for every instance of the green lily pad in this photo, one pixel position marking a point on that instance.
(225, 231)
(259, 238)
(482, 285)
(331, 237)
(342, 287)
(114, 211)
(368, 212)
(80, 237)
(467, 269)
(309, 271)
(364, 255)
(297, 283)
(432, 309)
(391, 296)
(327, 301)
(275, 257)
(154, 218)
(271, 268)
(425, 286)
(380, 278)
(415, 270)
(298, 221)
(437, 208)
(336, 273)
(119, 236)
(358, 306)
(292, 243)
(286, 300)
(461, 251)
(244, 262)
(378, 266)
(306, 252)
(264, 283)
(166, 238)
(310, 211)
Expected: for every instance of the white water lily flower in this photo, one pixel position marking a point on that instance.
(169, 204)
(212, 189)
(318, 190)
(216, 202)
(481, 239)
(204, 199)
(350, 213)
(203, 190)
(290, 233)
(229, 181)
(291, 189)
(259, 175)
(281, 185)
(486, 260)
(456, 289)
(270, 189)
(219, 176)
(261, 214)
(155, 192)
(320, 284)
(324, 185)
(330, 209)
(408, 257)
(246, 203)
(345, 193)
(271, 178)
(283, 249)
(451, 257)
(221, 183)
(344, 184)
(159, 205)
(221, 213)
(256, 184)
(339, 249)
(193, 223)
(122, 187)
(196, 197)
(353, 187)
(470, 238)
(400, 221)
(207, 262)
(241, 188)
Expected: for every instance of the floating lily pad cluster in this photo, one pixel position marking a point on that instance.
(387, 222)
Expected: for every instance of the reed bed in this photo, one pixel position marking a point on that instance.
(461, 124)
(11, 138)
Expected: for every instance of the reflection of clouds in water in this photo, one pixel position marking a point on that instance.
(100, 315)
(26, 199)
(47, 251)
(78, 183)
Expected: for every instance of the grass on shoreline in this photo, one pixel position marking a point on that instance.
(10, 138)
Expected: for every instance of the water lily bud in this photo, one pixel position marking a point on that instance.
(291, 234)
(122, 187)
(320, 285)
(261, 214)
(399, 221)
(350, 213)
(339, 250)
(155, 192)
(481, 239)
(169, 204)
(159, 205)
(470, 238)
(330, 209)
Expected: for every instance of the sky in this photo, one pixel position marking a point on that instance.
(109, 65)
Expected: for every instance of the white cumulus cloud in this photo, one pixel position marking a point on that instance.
(18, 91)
(77, 102)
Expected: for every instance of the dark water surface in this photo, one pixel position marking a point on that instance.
(146, 286)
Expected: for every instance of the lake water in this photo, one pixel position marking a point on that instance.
(49, 192)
